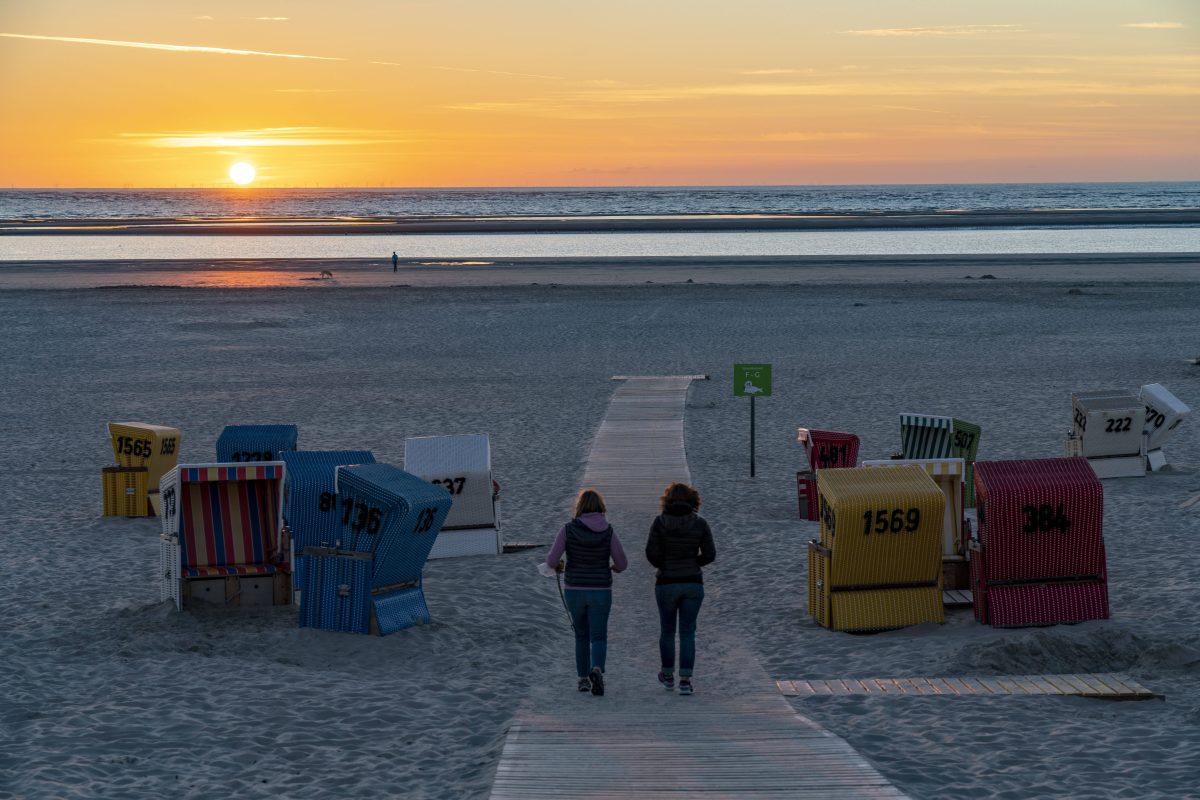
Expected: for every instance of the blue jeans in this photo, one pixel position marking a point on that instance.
(589, 613)
(678, 601)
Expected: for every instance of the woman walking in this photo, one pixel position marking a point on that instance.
(593, 553)
(680, 543)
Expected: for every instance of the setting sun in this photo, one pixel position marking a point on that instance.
(241, 173)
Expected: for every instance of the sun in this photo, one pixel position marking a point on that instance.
(241, 173)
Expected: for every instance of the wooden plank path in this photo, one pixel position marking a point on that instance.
(1107, 685)
(737, 737)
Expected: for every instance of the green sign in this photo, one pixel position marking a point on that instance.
(752, 380)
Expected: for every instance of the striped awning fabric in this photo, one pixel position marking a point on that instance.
(230, 472)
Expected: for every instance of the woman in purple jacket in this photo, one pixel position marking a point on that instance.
(593, 553)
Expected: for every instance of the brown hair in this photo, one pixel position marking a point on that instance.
(589, 501)
(680, 493)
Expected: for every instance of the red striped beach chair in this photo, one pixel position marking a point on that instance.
(223, 538)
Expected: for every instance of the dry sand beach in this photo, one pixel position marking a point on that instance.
(109, 693)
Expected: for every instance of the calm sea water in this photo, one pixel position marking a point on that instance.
(568, 246)
(169, 203)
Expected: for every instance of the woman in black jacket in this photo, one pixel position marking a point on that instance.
(680, 543)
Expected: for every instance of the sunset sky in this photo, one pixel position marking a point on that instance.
(544, 92)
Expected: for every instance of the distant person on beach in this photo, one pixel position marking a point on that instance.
(680, 543)
(593, 553)
(395, 261)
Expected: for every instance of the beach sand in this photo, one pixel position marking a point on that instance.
(109, 693)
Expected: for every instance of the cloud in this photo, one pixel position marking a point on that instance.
(299, 136)
(940, 30)
(469, 69)
(1158, 26)
(776, 72)
(272, 19)
(175, 48)
(306, 91)
(204, 17)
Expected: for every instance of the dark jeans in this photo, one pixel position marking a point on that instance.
(589, 612)
(678, 602)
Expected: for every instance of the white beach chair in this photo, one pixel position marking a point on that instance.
(1164, 413)
(1108, 426)
(462, 465)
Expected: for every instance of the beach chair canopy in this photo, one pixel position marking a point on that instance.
(1164, 413)
(828, 449)
(462, 465)
(255, 442)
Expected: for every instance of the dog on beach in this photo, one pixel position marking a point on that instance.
(326, 273)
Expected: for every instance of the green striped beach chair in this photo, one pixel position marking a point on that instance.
(928, 436)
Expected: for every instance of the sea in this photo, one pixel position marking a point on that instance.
(19, 205)
(261, 203)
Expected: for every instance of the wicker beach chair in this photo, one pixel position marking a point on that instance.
(1164, 414)
(140, 444)
(463, 466)
(947, 473)
(1107, 429)
(1038, 557)
(928, 436)
(255, 442)
(223, 537)
(878, 562)
(371, 582)
(310, 502)
(822, 450)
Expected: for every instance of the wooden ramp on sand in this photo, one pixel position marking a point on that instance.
(1107, 685)
(737, 737)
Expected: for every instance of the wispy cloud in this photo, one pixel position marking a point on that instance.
(205, 17)
(940, 30)
(306, 91)
(174, 48)
(780, 71)
(1158, 26)
(272, 19)
(299, 136)
(470, 69)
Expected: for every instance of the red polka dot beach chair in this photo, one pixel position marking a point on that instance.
(822, 450)
(223, 539)
(1038, 557)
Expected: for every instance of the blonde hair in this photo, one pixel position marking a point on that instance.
(680, 493)
(589, 501)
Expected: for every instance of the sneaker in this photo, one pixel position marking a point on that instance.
(597, 680)
(667, 679)
(585, 685)
(685, 685)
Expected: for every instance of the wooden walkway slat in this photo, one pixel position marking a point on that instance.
(1105, 685)
(737, 737)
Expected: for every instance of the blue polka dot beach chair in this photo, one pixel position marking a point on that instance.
(462, 465)
(310, 501)
(255, 442)
(369, 581)
(223, 539)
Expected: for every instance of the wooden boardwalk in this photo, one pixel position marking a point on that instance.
(1107, 685)
(737, 737)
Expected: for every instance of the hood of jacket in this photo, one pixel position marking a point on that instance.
(677, 515)
(594, 521)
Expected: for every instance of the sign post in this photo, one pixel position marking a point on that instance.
(751, 380)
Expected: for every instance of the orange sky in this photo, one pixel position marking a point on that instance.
(471, 93)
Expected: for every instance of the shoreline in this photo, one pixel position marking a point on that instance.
(1064, 268)
(275, 226)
